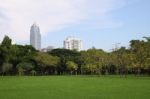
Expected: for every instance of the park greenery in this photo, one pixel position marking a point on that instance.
(75, 87)
(25, 60)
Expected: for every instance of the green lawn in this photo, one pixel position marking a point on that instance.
(75, 87)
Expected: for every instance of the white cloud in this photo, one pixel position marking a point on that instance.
(16, 16)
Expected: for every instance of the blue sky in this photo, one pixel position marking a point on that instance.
(99, 23)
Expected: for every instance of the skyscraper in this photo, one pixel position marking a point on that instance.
(73, 43)
(35, 37)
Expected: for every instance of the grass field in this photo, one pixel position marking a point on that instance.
(74, 87)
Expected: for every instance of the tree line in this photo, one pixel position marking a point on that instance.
(25, 60)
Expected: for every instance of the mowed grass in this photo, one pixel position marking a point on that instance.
(75, 87)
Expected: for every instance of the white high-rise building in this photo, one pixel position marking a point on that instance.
(35, 37)
(73, 43)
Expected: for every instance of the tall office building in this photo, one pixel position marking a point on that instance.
(35, 37)
(73, 43)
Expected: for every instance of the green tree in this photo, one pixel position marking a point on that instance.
(65, 55)
(5, 49)
(6, 42)
(90, 68)
(72, 67)
(138, 49)
(6, 68)
(94, 57)
(122, 60)
(24, 68)
(46, 63)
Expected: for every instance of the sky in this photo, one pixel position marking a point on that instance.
(99, 23)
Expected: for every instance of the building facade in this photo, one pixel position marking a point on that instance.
(35, 37)
(49, 48)
(73, 43)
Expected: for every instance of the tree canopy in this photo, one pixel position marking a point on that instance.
(25, 60)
